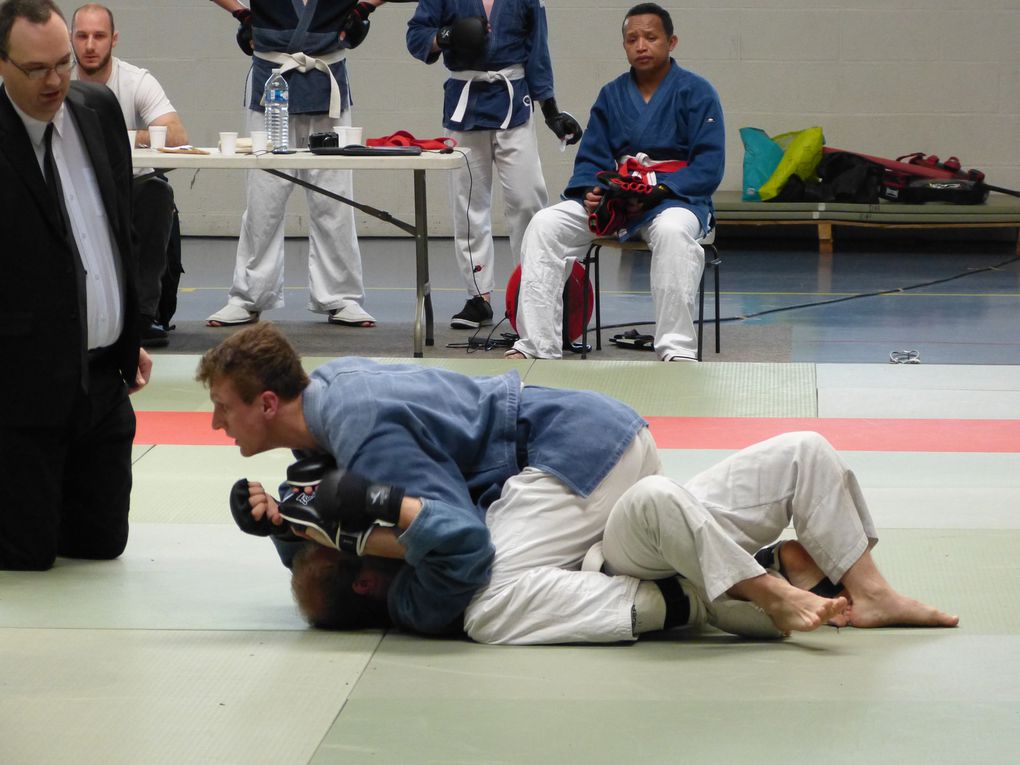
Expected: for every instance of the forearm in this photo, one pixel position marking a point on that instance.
(382, 542)
(230, 6)
(176, 135)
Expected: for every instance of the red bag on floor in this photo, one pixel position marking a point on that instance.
(573, 299)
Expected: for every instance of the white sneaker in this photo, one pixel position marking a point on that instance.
(351, 315)
(231, 315)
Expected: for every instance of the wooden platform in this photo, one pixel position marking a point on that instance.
(1000, 211)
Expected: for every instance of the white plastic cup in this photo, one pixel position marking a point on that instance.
(157, 136)
(348, 136)
(228, 143)
(259, 140)
(132, 138)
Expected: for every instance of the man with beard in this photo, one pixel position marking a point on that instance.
(144, 104)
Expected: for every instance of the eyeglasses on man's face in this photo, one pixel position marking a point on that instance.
(42, 72)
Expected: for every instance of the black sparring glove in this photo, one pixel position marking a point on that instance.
(240, 508)
(243, 16)
(343, 508)
(562, 124)
(355, 24)
(608, 217)
(620, 186)
(467, 37)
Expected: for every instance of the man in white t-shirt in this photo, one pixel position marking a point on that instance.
(144, 103)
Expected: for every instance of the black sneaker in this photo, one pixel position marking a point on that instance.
(476, 313)
(154, 334)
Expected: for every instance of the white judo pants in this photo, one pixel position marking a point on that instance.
(559, 235)
(708, 530)
(334, 259)
(514, 154)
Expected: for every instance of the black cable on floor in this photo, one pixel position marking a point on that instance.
(996, 267)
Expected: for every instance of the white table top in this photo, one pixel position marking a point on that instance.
(299, 160)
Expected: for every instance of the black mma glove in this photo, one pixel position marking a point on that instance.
(355, 24)
(243, 16)
(343, 508)
(562, 124)
(467, 37)
(620, 186)
(240, 508)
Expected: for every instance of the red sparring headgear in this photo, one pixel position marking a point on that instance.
(572, 301)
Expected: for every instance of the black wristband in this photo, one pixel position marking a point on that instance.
(241, 14)
(549, 108)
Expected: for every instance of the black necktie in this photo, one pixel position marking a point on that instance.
(57, 192)
(53, 183)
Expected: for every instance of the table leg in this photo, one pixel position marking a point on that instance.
(423, 307)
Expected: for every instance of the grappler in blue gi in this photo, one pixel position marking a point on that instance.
(499, 66)
(485, 497)
(655, 142)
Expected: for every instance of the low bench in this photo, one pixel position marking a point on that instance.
(1000, 211)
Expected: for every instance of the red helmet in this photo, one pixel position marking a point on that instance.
(573, 299)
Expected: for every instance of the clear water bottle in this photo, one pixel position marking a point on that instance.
(276, 103)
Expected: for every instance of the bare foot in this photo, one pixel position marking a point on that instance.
(803, 573)
(890, 609)
(789, 608)
(799, 567)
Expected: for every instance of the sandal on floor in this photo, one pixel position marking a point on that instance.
(634, 339)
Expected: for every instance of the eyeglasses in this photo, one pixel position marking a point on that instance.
(41, 72)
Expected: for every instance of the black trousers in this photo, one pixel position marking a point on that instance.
(69, 487)
(153, 218)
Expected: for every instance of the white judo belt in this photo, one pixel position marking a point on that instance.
(305, 63)
(515, 72)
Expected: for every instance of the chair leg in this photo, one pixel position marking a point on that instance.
(716, 263)
(598, 295)
(701, 312)
(584, 303)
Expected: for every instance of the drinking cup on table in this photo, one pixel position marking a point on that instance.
(132, 138)
(157, 136)
(259, 139)
(354, 135)
(228, 143)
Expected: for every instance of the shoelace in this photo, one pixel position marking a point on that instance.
(905, 357)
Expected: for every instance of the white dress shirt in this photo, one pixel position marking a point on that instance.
(89, 224)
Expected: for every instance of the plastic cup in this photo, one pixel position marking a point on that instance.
(132, 138)
(259, 139)
(157, 136)
(228, 143)
(355, 134)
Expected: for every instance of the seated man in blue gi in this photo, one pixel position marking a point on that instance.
(649, 161)
(492, 494)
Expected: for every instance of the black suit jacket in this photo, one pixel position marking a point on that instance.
(42, 296)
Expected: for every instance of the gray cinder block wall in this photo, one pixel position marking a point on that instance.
(880, 76)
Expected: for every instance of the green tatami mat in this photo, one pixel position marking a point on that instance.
(172, 386)
(191, 484)
(690, 390)
(116, 697)
(200, 577)
(646, 708)
(918, 391)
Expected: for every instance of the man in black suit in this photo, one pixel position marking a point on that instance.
(69, 333)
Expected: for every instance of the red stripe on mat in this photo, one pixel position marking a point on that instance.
(847, 434)
(195, 429)
(178, 428)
